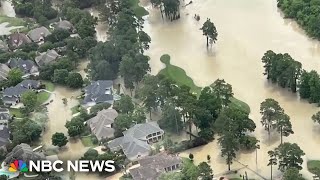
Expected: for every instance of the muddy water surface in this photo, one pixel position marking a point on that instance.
(247, 29)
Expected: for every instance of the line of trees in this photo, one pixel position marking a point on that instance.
(288, 73)
(169, 8)
(306, 13)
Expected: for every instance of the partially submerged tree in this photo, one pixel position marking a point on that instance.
(210, 31)
(270, 111)
(59, 139)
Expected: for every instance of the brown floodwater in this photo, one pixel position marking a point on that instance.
(247, 29)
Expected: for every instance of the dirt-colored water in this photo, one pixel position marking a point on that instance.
(7, 9)
(247, 29)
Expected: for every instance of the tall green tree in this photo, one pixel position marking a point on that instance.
(314, 84)
(74, 80)
(292, 174)
(270, 111)
(59, 139)
(272, 161)
(229, 146)
(60, 76)
(210, 31)
(14, 77)
(171, 9)
(148, 93)
(304, 87)
(223, 91)
(171, 118)
(289, 156)
(283, 126)
(29, 100)
(205, 170)
(126, 105)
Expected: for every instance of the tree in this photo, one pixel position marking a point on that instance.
(270, 111)
(102, 71)
(75, 126)
(147, 93)
(272, 161)
(58, 35)
(171, 118)
(24, 131)
(205, 171)
(190, 171)
(316, 117)
(292, 174)
(314, 84)
(191, 156)
(59, 139)
(284, 126)
(91, 154)
(210, 31)
(223, 91)
(126, 105)
(144, 40)
(29, 100)
(289, 156)
(74, 80)
(60, 76)
(229, 146)
(304, 87)
(14, 77)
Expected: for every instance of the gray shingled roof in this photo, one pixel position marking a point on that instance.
(46, 57)
(95, 92)
(153, 166)
(4, 114)
(101, 124)
(4, 70)
(23, 152)
(64, 24)
(4, 135)
(37, 33)
(21, 88)
(26, 66)
(17, 39)
(3, 46)
(134, 140)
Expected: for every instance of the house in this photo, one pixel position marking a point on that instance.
(64, 24)
(4, 136)
(136, 141)
(4, 71)
(12, 95)
(28, 67)
(23, 152)
(153, 166)
(17, 39)
(38, 34)
(46, 58)
(4, 116)
(3, 46)
(100, 91)
(102, 124)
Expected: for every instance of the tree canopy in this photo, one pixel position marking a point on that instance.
(210, 31)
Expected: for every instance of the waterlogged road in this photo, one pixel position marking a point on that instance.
(247, 29)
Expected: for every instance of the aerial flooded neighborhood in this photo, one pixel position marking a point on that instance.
(160, 89)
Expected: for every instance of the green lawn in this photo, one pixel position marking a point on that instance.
(12, 21)
(16, 112)
(75, 109)
(138, 10)
(87, 141)
(44, 96)
(314, 166)
(181, 78)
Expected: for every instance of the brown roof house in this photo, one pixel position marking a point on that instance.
(38, 34)
(46, 58)
(17, 39)
(136, 141)
(153, 166)
(64, 24)
(23, 152)
(102, 124)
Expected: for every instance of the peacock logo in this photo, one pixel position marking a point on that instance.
(18, 165)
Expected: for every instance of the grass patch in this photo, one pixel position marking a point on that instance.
(16, 112)
(49, 86)
(88, 141)
(314, 167)
(178, 75)
(138, 10)
(12, 21)
(75, 109)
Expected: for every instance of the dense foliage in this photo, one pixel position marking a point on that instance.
(306, 13)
